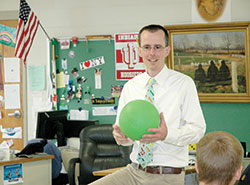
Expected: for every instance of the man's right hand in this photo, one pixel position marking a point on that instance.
(119, 136)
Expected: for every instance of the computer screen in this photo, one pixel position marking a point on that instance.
(54, 125)
(50, 125)
(72, 128)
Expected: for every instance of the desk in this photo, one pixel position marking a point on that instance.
(189, 169)
(245, 163)
(107, 171)
(36, 170)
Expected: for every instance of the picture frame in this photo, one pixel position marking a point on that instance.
(215, 56)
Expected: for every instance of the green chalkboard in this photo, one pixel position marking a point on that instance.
(231, 117)
(84, 52)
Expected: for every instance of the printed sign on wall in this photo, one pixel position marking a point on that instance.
(128, 62)
(92, 63)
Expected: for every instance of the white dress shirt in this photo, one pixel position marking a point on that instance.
(175, 96)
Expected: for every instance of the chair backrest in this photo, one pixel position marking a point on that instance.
(245, 177)
(99, 151)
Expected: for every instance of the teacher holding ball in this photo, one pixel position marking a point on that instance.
(159, 115)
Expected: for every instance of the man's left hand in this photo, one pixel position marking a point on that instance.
(160, 133)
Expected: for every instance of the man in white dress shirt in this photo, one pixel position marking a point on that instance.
(182, 122)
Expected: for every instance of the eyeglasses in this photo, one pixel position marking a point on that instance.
(156, 48)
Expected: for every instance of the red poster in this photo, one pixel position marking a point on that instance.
(128, 62)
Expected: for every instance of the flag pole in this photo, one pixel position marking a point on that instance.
(44, 31)
(54, 98)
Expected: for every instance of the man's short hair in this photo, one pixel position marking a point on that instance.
(153, 28)
(218, 156)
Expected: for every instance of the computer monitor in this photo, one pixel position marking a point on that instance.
(72, 128)
(50, 125)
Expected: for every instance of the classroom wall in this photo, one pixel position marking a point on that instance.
(64, 19)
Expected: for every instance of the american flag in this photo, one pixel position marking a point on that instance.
(26, 30)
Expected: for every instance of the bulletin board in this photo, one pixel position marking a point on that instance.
(84, 51)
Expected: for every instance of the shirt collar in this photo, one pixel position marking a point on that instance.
(160, 77)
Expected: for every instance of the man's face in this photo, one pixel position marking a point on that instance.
(153, 51)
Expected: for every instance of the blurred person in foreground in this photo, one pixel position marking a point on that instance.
(218, 159)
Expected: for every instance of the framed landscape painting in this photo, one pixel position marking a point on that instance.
(215, 56)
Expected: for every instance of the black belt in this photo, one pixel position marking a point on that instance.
(159, 169)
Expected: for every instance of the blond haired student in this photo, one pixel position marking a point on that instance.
(218, 159)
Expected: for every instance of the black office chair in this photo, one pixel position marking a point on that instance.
(98, 151)
(245, 177)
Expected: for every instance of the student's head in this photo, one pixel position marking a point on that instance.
(153, 47)
(219, 158)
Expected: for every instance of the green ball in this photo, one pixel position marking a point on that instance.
(137, 117)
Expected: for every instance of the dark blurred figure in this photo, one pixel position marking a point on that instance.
(212, 72)
(224, 73)
(200, 74)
